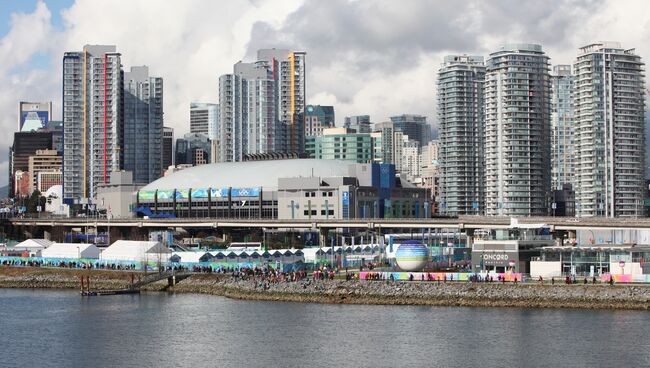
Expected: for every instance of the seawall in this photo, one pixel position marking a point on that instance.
(354, 292)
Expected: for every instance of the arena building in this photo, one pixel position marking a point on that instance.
(283, 189)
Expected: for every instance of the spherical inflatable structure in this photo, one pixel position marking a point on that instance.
(412, 256)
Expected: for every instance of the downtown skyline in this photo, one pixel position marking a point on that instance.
(365, 73)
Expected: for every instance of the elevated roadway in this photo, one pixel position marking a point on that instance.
(463, 222)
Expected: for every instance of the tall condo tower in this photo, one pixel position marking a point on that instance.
(204, 119)
(562, 147)
(609, 137)
(517, 131)
(461, 122)
(262, 106)
(143, 125)
(92, 118)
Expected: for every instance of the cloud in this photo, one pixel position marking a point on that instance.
(380, 57)
(30, 35)
(376, 57)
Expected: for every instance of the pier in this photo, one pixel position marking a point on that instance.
(135, 287)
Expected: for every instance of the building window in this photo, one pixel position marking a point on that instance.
(331, 212)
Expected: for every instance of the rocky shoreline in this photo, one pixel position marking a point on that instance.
(353, 292)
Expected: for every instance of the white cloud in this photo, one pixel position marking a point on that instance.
(376, 57)
(29, 34)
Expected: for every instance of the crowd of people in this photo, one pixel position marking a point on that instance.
(70, 264)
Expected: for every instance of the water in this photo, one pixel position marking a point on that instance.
(59, 328)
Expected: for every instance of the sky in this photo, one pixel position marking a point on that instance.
(374, 57)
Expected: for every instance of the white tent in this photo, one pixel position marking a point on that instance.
(137, 251)
(70, 250)
(33, 246)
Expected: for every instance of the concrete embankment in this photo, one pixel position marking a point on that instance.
(355, 292)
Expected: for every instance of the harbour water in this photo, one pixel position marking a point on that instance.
(41, 328)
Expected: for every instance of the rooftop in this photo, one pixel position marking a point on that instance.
(249, 174)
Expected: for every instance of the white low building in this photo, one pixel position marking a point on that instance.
(33, 247)
(136, 251)
(71, 250)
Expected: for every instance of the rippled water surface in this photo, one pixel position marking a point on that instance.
(59, 328)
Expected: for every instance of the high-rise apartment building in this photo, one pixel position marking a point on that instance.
(167, 147)
(358, 123)
(410, 164)
(262, 106)
(204, 119)
(193, 149)
(384, 143)
(340, 144)
(392, 146)
(461, 124)
(143, 125)
(92, 118)
(26, 144)
(609, 108)
(44, 169)
(318, 118)
(562, 147)
(430, 172)
(33, 116)
(517, 131)
(414, 126)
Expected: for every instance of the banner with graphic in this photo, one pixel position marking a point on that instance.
(165, 194)
(245, 192)
(219, 192)
(199, 193)
(182, 194)
(146, 195)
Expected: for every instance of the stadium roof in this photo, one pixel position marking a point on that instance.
(249, 174)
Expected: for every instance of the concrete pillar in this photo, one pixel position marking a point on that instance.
(470, 237)
(47, 235)
(322, 237)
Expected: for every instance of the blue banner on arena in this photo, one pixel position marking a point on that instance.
(245, 192)
(219, 192)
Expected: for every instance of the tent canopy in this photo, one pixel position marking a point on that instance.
(33, 244)
(138, 251)
(70, 250)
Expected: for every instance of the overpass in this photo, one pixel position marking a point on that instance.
(461, 223)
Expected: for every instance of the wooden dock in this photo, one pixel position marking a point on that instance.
(109, 292)
(171, 276)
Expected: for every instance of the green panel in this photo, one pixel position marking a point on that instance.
(147, 195)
